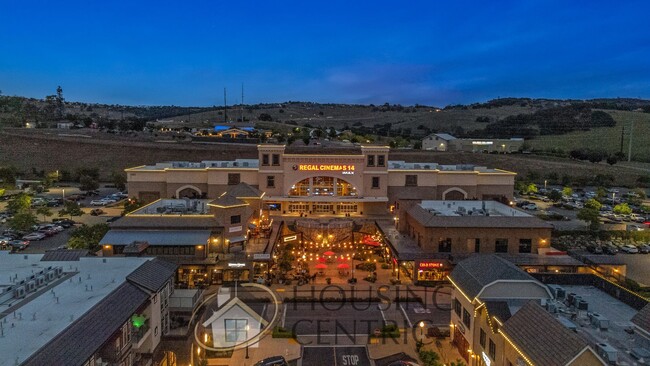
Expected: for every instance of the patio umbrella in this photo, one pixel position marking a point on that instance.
(341, 259)
(321, 266)
(329, 253)
(371, 243)
(322, 259)
(343, 266)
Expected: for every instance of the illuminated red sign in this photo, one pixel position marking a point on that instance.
(430, 265)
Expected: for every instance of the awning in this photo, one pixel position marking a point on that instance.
(157, 237)
(237, 239)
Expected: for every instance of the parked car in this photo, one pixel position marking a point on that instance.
(610, 249)
(34, 236)
(530, 206)
(629, 249)
(65, 223)
(46, 231)
(96, 212)
(19, 244)
(98, 203)
(5, 240)
(644, 249)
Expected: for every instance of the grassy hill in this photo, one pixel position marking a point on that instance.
(607, 138)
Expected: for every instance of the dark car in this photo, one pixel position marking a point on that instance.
(65, 223)
(273, 361)
(96, 212)
(19, 244)
(55, 202)
(644, 249)
(610, 249)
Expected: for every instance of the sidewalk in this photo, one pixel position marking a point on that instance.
(268, 346)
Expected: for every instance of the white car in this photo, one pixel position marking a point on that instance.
(630, 249)
(34, 236)
(99, 202)
(530, 206)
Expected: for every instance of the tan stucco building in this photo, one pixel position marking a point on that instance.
(312, 184)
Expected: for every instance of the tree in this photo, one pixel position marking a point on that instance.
(119, 180)
(22, 221)
(87, 237)
(20, 203)
(132, 204)
(590, 215)
(640, 192)
(601, 192)
(2, 192)
(265, 117)
(567, 191)
(71, 209)
(88, 183)
(593, 204)
(531, 188)
(306, 140)
(622, 209)
(45, 211)
(555, 195)
(60, 103)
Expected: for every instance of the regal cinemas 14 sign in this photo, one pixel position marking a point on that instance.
(324, 167)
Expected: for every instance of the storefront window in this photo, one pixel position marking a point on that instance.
(323, 186)
(444, 245)
(525, 245)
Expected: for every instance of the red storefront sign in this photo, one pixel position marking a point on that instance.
(430, 265)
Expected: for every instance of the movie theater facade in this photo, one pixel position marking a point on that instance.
(361, 184)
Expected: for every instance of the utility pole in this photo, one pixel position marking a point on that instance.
(629, 153)
(225, 107)
(242, 102)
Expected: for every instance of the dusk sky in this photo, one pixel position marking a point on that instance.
(426, 52)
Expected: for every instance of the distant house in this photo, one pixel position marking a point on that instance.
(447, 142)
(65, 125)
(437, 142)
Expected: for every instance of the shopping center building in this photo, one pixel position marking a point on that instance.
(365, 183)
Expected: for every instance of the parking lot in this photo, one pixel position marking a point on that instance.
(60, 239)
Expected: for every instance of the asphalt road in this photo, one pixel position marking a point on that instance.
(333, 318)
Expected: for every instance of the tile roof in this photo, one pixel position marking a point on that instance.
(227, 200)
(166, 221)
(243, 190)
(427, 219)
(77, 343)
(474, 273)
(63, 255)
(642, 318)
(156, 237)
(499, 310)
(541, 337)
(153, 274)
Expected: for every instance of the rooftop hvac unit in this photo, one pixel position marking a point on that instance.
(560, 294)
(59, 271)
(50, 275)
(583, 305)
(30, 286)
(569, 298)
(551, 307)
(599, 321)
(19, 292)
(576, 300)
(40, 281)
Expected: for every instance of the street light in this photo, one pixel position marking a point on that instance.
(247, 328)
(421, 331)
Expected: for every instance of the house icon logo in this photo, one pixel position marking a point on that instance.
(230, 323)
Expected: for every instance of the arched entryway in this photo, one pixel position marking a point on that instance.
(188, 191)
(454, 194)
